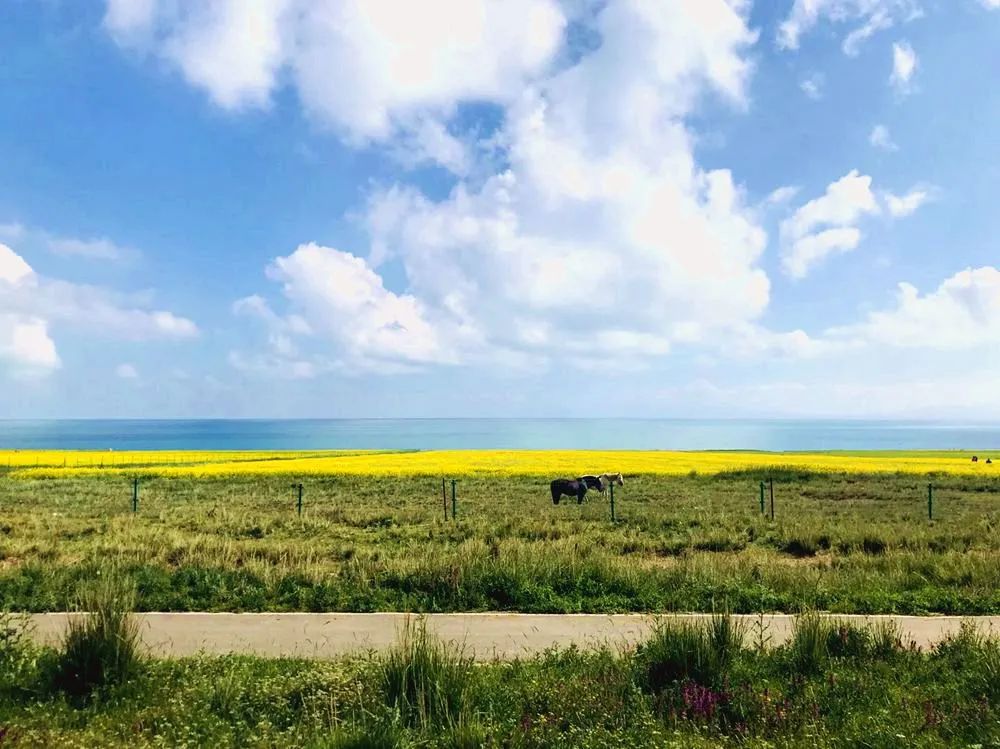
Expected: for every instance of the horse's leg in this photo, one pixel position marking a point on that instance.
(581, 491)
(555, 495)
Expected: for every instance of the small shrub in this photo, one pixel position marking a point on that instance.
(886, 639)
(809, 648)
(424, 681)
(846, 640)
(873, 546)
(102, 646)
(680, 651)
(800, 547)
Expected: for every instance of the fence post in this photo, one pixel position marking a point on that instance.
(771, 485)
(930, 501)
(135, 495)
(299, 506)
(762, 498)
(612, 486)
(454, 502)
(444, 498)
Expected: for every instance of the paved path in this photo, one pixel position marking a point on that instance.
(483, 635)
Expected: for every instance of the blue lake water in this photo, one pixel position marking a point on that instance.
(430, 434)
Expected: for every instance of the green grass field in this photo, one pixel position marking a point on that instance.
(840, 542)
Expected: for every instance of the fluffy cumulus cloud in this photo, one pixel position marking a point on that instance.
(904, 65)
(32, 305)
(600, 235)
(25, 345)
(372, 69)
(830, 224)
(864, 18)
(827, 224)
(963, 312)
(900, 206)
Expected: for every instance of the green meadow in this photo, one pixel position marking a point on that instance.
(843, 542)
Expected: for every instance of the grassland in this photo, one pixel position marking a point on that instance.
(848, 536)
(831, 686)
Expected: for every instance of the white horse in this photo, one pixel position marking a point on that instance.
(611, 478)
(602, 482)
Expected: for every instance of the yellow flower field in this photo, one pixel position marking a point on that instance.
(27, 464)
(112, 458)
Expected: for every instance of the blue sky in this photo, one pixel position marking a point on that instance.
(474, 208)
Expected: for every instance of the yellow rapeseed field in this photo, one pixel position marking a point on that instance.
(28, 464)
(113, 458)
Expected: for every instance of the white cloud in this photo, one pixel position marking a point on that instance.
(31, 304)
(599, 227)
(754, 341)
(373, 69)
(879, 20)
(127, 371)
(14, 270)
(128, 19)
(866, 16)
(340, 299)
(829, 224)
(904, 65)
(25, 345)
(12, 231)
(826, 224)
(991, 4)
(230, 48)
(781, 195)
(900, 206)
(963, 312)
(813, 86)
(95, 249)
(880, 138)
(811, 249)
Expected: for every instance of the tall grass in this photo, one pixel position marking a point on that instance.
(425, 681)
(843, 543)
(679, 651)
(817, 639)
(101, 648)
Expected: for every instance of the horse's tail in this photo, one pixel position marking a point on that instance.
(554, 487)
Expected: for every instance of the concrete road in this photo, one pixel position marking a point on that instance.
(488, 635)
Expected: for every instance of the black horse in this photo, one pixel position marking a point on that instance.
(570, 488)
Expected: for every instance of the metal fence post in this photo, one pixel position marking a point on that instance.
(454, 502)
(299, 506)
(762, 498)
(135, 495)
(771, 484)
(930, 501)
(612, 486)
(444, 498)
